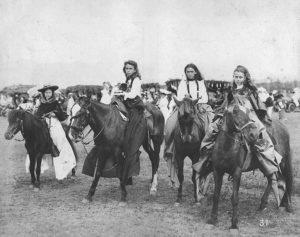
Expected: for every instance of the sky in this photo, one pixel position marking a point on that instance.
(70, 42)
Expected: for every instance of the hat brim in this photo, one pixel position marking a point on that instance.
(53, 88)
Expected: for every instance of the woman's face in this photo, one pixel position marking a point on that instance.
(190, 73)
(129, 70)
(48, 94)
(238, 78)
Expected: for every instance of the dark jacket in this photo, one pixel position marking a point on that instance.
(48, 107)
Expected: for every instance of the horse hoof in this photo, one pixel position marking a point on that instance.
(289, 209)
(198, 204)
(209, 226)
(85, 201)
(234, 232)
(211, 222)
(153, 193)
(36, 189)
(122, 204)
(31, 186)
(176, 204)
(262, 208)
(281, 209)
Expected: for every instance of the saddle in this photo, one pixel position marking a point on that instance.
(149, 114)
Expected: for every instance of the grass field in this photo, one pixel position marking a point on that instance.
(57, 210)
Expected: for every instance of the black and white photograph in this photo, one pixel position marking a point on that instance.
(147, 118)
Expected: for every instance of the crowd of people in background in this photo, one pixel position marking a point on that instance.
(163, 98)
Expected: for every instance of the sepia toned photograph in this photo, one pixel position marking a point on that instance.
(149, 118)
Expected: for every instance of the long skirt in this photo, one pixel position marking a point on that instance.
(66, 161)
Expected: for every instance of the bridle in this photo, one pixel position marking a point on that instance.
(237, 130)
(81, 128)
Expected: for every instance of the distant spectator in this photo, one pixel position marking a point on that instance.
(270, 103)
(106, 93)
(280, 105)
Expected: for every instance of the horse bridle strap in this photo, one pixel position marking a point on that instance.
(22, 131)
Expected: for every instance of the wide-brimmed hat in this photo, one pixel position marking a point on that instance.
(46, 87)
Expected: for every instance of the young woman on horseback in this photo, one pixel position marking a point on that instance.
(246, 93)
(194, 87)
(51, 111)
(136, 127)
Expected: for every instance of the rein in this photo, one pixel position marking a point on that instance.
(80, 131)
(239, 130)
(22, 131)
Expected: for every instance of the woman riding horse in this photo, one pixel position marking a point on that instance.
(193, 87)
(136, 127)
(246, 93)
(53, 114)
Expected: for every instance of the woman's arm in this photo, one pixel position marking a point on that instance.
(135, 89)
(182, 90)
(202, 93)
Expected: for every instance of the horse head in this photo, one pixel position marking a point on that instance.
(237, 119)
(81, 119)
(15, 123)
(186, 116)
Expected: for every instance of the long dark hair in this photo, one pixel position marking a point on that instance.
(248, 82)
(198, 75)
(135, 74)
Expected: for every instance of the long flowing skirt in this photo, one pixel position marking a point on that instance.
(66, 160)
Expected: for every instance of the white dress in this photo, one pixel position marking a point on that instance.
(66, 161)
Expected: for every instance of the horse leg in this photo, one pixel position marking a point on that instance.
(100, 165)
(265, 197)
(154, 157)
(31, 168)
(73, 172)
(180, 162)
(218, 177)
(38, 159)
(196, 181)
(235, 197)
(274, 183)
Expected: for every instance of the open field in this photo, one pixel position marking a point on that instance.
(57, 210)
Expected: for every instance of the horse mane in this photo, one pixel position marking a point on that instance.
(186, 106)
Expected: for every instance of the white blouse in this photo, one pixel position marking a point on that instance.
(182, 90)
(135, 88)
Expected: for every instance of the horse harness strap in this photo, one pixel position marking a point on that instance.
(22, 131)
(188, 87)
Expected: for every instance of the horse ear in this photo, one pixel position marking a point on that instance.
(177, 102)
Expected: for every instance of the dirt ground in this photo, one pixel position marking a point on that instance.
(57, 210)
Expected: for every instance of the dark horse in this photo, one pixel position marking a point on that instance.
(188, 134)
(237, 135)
(37, 139)
(109, 126)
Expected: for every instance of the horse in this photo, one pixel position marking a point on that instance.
(188, 134)
(230, 155)
(109, 125)
(37, 140)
